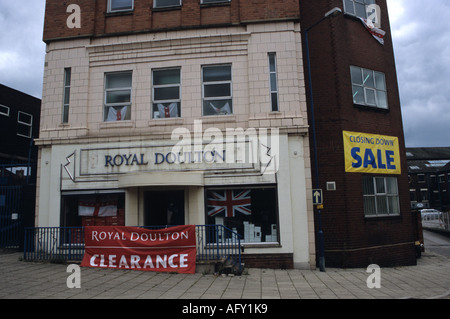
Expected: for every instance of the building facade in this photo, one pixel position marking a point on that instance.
(429, 177)
(19, 126)
(166, 112)
(361, 163)
(170, 112)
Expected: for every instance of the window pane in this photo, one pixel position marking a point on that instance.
(273, 82)
(167, 3)
(369, 206)
(382, 205)
(394, 206)
(67, 76)
(368, 188)
(272, 62)
(356, 75)
(217, 107)
(66, 95)
(216, 90)
(120, 96)
(391, 183)
(380, 81)
(164, 77)
(368, 79)
(348, 4)
(166, 110)
(216, 73)
(358, 95)
(360, 10)
(118, 80)
(25, 118)
(382, 99)
(169, 93)
(252, 213)
(370, 96)
(117, 5)
(379, 182)
(274, 101)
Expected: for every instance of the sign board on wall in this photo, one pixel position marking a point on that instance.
(370, 153)
(165, 250)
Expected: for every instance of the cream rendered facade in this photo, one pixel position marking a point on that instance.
(89, 155)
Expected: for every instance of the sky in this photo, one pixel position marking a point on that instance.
(421, 44)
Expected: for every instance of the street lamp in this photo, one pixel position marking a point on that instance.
(330, 14)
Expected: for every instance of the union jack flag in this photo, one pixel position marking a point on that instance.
(229, 202)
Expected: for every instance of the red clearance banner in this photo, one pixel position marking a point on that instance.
(164, 250)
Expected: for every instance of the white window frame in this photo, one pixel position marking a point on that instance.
(108, 105)
(273, 77)
(4, 110)
(217, 98)
(376, 89)
(213, 1)
(393, 195)
(66, 95)
(156, 4)
(111, 10)
(350, 7)
(29, 125)
(170, 101)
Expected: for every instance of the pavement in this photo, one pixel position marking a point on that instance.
(430, 279)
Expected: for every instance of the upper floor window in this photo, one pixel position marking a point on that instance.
(166, 93)
(118, 96)
(217, 90)
(66, 95)
(369, 87)
(273, 81)
(120, 5)
(213, 1)
(166, 3)
(25, 124)
(357, 7)
(4, 110)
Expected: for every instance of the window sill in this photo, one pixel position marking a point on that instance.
(261, 245)
(119, 13)
(116, 124)
(166, 9)
(216, 4)
(166, 121)
(380, 217)
(371, 108)
(219, 118)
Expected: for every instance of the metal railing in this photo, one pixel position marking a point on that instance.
(215, 243)
(438, 220)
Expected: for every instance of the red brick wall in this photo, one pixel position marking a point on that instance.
(335, 44)
(95, 21)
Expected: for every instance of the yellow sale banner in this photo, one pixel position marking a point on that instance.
(370, 153)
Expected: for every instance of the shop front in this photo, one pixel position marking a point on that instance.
(256, 188)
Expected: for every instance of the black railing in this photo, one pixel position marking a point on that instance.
(214, 243)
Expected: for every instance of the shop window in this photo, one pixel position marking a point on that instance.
(166, 3)
(120, 5)
(118, 96)
(217, 90)
(93, 210)
(369, 87)
(166, 93)
(251, 212)
(380, 196)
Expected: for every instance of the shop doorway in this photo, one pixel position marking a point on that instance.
(164, 208)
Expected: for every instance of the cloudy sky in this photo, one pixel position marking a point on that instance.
(422, 50)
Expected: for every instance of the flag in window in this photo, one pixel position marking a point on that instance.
(97, 207)
(229, 202)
